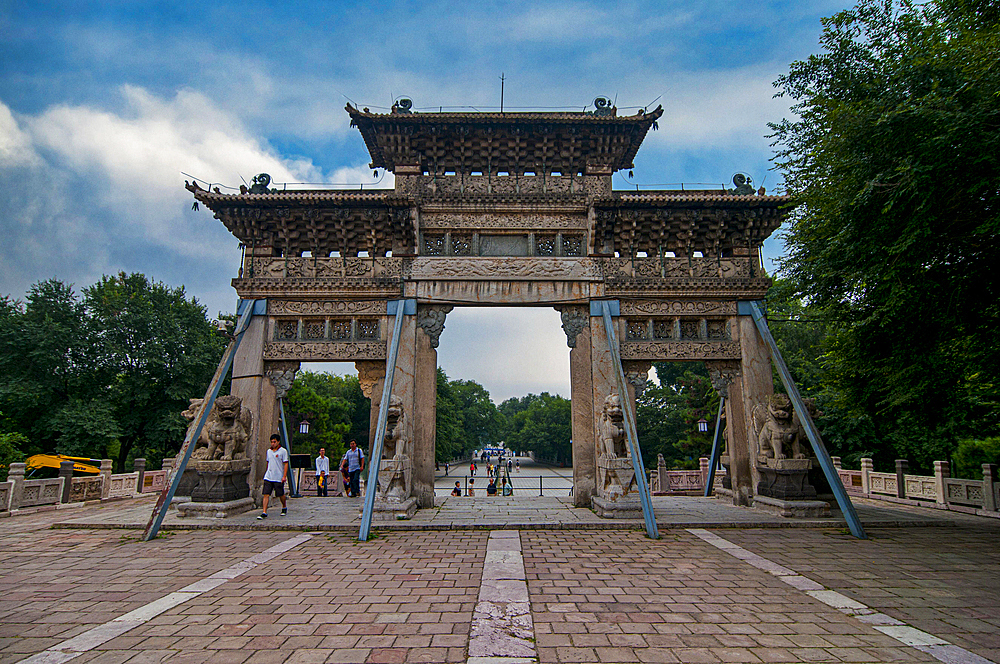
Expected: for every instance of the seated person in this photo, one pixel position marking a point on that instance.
(472, 487)
(508, 488)
(491, 490)
(457, 491)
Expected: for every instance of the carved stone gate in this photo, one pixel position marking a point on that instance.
(512, 209)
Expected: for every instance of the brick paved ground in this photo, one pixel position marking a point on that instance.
(945, 581)
(408, 596)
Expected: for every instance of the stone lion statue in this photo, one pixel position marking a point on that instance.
(394, 445)
(226, 430)
(779, 430)
(611, 429)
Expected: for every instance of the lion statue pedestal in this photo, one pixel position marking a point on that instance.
(616, 498)
(216, 476)
(393, 497)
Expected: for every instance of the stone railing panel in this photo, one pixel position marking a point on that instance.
(921, 487)
(123, 485)
(153, 481)
(883, 483)
(964, 492)
(41, 492)
(86, 488)
(685, 480)
(851, 479)
(6, 489)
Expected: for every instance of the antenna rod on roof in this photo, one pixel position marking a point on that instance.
(501, 92)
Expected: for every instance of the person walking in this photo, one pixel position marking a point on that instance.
(322, 473)
(355, 459)
(275, 475)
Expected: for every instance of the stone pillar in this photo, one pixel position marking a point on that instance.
(724, 374)
(576, 324)
(139, 466)
(15, 475)
(106, 467)
(704, 465)
(66, 473)
(836, 462)
(942, 471)
(430, 321)
(989, 495)
(757, 385)
(902, 466)
(259, 396)
(371, 376)
(167, 464)
(662, 479)
(867, 466)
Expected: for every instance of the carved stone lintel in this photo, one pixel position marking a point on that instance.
(369, 374)
(637, 373)
(680, 350)
(430, 318)
(574, 320)
(325, 351)
(722, 373)
(281, 375)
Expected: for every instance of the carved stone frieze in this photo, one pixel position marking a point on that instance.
(328, 307)
(722, 373)
(680, 350)
(369, 375)
(325, 351)
(637, 374)
(430, 318)
(697, 268)
(574, 320)
(282, 375)
(677, 307)
(279, 267)
(505, 220)
(518, 268)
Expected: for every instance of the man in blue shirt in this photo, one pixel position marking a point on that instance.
(354, 458)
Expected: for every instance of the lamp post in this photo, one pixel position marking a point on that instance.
(703, 425)
(304, 427)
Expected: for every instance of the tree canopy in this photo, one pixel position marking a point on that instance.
(892, 159)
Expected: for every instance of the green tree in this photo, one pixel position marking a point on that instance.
(466, 418)
(319, 398)
(155, 349)
(667, 415)
(10, 451)
(544, 427)
(892, 159)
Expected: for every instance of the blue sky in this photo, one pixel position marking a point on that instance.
(103, 105)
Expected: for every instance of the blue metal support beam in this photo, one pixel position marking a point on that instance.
(630, 431)
(716, 449)
(247, 310)
(825, 462)
(399, 307)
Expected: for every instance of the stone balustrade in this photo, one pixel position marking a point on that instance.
(19, 493)
(939, 490)
(679, 482)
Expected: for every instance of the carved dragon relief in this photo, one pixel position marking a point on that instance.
(325, 351)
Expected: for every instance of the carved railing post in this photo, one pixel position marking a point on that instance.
(989, 494)
(66, 473)
(15, 474)
(836, 462)
(942, 471)
(902, 466)
(139, 466)
(867, 467)
(106, 468)
(430, 318)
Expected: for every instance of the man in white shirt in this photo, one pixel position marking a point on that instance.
(275, 475)
(322, 473)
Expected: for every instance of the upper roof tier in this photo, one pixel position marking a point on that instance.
(414, 143)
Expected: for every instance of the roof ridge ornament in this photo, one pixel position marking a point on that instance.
(603, 108)
(402, 105)
(259, 184)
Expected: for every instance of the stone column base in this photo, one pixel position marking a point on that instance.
(617, 509)
(217, 510)
(785, 479)
(801, 509)
(395, 511)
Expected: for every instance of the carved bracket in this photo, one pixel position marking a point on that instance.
(281, 375)
(574, 320)
(722, 373)
(430, 318)
(370, 374)
(637, 374)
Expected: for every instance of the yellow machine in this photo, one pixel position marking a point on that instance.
(39, 461)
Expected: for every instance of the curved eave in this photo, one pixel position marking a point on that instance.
(213, 200)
